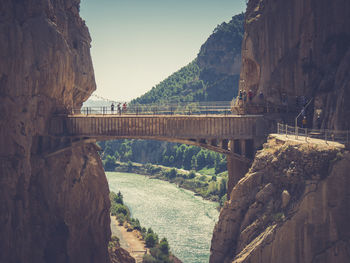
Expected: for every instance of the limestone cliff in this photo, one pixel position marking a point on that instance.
(53, 209)
(292, 206)
(299, 48)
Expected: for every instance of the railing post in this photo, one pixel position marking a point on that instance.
(296, 128)
(325, 135)
(286, 131)
(306, 135)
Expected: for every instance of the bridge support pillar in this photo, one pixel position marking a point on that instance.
(236, 170)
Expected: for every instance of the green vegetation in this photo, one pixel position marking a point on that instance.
(181, 156)
(211, 187)
(199, 80)
(154, 155)
(160, 250)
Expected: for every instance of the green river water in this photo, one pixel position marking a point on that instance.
(186, 220)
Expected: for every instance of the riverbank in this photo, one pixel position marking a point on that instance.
(142, 244)
(211, 188)
(130, 241)
(187, 221)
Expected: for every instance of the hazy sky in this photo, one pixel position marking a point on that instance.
(138, 43)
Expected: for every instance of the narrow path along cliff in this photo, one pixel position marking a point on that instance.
(128, 240)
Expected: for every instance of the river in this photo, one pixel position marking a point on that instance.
(186, 220)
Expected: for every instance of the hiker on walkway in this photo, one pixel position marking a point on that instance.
(124, 108)
(250, 95)
(318, 121)
(112, 108)
(119, 109)
(304, 122)
(261, 96)
(244, 96)
(240, 97)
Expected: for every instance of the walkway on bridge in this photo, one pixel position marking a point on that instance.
(339, 139)
(237, 135)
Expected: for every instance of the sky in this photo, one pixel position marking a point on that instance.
(138, 43)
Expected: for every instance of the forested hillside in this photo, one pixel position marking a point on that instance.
(212, 76)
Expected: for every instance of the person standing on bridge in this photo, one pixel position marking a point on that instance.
(304, 122)
(240, 98)
(124, 108)
(261, 96)
(112, 108)
(250, 95)
(119, 109)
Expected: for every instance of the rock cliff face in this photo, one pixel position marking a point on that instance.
(300, 48)
(53, 209)
(221, 53)
(292, 206)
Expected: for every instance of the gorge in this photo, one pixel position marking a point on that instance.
(290, 205)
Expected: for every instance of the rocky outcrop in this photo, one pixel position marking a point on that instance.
(219, 59)
(53, 209)
(299, 48)
(119, 255)
(221, 53)
(292, 206)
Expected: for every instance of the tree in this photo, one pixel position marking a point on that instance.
(116, 198)
(201, 159)
(220, 165)
(222, 187)
(172, 173)
(119, 209)
(164, 246)
(110, 163)
(108, 151)
(194, 165)
(188, 154)
(151, 240)
(191, 175)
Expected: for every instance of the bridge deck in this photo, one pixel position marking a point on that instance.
(157, 126)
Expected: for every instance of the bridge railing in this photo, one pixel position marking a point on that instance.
(197, 108)
(322, 134)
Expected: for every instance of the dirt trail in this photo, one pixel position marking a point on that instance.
(128, 240)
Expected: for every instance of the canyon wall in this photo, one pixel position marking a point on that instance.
(292, 206)
(299, 48)
(52, 209)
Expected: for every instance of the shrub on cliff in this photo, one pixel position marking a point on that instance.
(164, 246)
(117, 198)
(135, 224)
(151, 240)
(121, 219)
(191, 175)
(171, 174)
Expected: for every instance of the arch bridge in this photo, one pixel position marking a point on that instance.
(236, 135)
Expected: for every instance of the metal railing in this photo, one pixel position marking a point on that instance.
(193, 108)
(322, 134)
